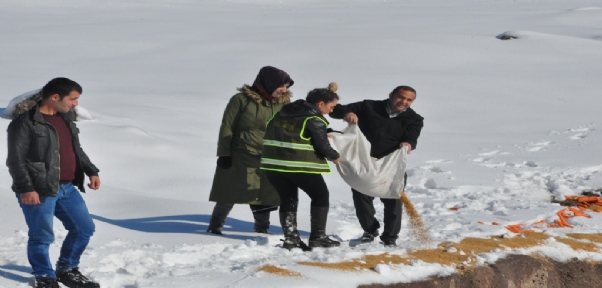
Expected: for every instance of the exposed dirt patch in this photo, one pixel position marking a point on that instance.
(516, 271)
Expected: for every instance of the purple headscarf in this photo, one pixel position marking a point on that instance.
(269, 79)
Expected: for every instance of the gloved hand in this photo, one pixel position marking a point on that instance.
(224, 162)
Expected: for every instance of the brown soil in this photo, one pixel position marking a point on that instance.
(516, 271)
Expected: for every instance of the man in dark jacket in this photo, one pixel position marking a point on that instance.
(46, 163)
(295, 151)
(388, 125)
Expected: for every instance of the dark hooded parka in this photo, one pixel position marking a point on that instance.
(241, 137)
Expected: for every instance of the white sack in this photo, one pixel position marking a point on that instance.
(381, 178)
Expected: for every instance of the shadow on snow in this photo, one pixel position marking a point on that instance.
(191, 223)
(13, 276)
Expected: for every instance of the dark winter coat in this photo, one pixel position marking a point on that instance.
(314, 128)
(33, 154)
(241, 137)
(385, 134)
(295, 142)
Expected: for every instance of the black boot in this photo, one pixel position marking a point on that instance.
(262, 222)
(368, 237)
(75, 279)
(318, 237)
(288, 221)
(46, 283)
(218, 217)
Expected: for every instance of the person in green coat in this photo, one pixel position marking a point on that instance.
(238, 179)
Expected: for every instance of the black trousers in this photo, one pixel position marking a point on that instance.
(288, 184)
(364, 209)
(261, 215)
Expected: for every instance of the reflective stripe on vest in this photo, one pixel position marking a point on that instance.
(296, 146)
(297, 164)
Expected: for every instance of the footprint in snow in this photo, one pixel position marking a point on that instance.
(581, 133)
(538, 146)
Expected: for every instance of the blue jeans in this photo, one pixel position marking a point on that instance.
(69, 207)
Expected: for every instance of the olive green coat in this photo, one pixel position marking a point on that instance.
(241, 137)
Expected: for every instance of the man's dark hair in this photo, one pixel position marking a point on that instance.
(404, 88)
(61, 86)
(325, 95)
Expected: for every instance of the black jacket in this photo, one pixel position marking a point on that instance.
(384, 133)
(33, 154)
(314, 128)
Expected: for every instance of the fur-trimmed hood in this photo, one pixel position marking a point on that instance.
(27, 104)
(27, 101)
(21, 104)
(249, 92)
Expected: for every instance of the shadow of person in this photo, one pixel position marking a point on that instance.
(187, 224)
(13, 276)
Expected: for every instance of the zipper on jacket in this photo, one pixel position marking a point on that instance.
(58, 149)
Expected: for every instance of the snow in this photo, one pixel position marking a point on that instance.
(508, 124)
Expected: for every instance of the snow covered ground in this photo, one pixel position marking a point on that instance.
(508, 124)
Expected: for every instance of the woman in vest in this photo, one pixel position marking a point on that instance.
(238, 178)
(295, 150)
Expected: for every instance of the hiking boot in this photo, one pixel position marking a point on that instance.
(261, 231)
(323, 241)
(368, 237)
(389, 243)
(75, 279)
(288, 221)
(290, 244)
(318, 237)
(46, 283)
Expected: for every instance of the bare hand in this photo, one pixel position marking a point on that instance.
(30, 198)
(406, 144)
(94, 182)
(336, 161)
(350, 118)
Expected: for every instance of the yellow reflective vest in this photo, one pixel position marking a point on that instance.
(285, 149)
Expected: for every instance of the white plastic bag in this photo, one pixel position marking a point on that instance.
(381, 178)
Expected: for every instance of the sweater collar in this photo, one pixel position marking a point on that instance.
(388, 108)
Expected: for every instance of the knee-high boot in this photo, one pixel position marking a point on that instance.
(318, 236)
(288, 221)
